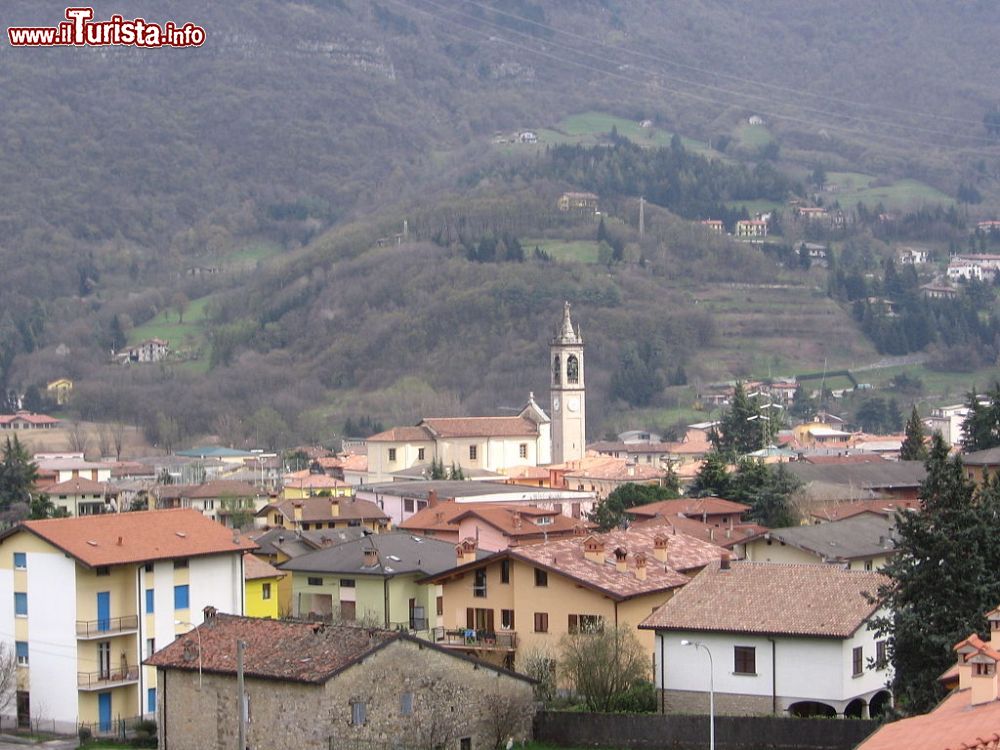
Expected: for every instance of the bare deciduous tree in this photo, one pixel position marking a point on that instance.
(507, 716)
(8, 677)
(118, 438)
(602, 663)
(78, 438)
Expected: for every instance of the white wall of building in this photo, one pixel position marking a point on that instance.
(215, 581)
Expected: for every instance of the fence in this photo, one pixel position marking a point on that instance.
(673, 732)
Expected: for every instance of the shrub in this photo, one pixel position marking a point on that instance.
(85, 734)
(639, 698)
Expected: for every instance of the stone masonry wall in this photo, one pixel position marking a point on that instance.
(731, 704)
(452, 699)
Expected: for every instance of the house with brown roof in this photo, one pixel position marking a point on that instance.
(88, 597)
(27, 420)
(781, 639)
(969, 718)
(712, 519)
(83, 497)
(525, 598)
(324, 512)
(314, 686)
(221, 500)
(602, 475)
(299, 484)
(491, 443)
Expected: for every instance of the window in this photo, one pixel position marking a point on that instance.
(881, 655)
(541, 622)
(103, 570)
(347, 583)
(20, 561)
(210, 505)
(868, 565)
(104, 659)
(21, 649)
(408, 504)
(472, 452)
(392, 455)
(541, 577)
(181, 597)
(265, 591)
(148, 567)
(585, 623)
(406, 703)
(181, 563)
(744, 660)
(150, 647)
(479, 583)
(357, 713)
(505, 571)
(440, 605)
(314, 581)
(20, 604)
(465, 743)
(858, 661)
(522, 450)
(572, 369)
(149, 602)
(151, 701)
(420, 454)
(507, 619)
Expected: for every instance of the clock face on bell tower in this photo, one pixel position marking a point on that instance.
(569, 397)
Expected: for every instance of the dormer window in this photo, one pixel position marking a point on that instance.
(543, 521)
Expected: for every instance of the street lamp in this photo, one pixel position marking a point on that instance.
(198, 633)
(711, 691)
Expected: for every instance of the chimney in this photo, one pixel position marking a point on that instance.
(517, 519)
(334, 507)
(325, 541)
(724, 561)
(640, 566)
(983, 679)
(993, 616)
(621, 559)
(593, 549)
(660, 548)
(579, 530)
(209, 612)
(711, 534)
(432, 498)
(465, 551)
(297, 512)
(121, 541)
(371, 557)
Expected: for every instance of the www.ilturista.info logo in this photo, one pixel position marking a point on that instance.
(79, 29)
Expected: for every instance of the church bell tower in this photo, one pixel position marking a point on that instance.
(569, 398)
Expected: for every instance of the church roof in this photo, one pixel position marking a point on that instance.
(453, 427)
(565, 333)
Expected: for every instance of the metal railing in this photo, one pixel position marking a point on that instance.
(498, 640)
(88, 680)
(106, 626)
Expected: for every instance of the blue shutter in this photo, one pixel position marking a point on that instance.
(20, 603)
(151, 701)
(181, 599)
(149, 601)
(20, 560)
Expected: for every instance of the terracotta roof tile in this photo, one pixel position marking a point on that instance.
(254, 568)
(693, 507)
(81, 486)
(954, 725)
(304, 480)
(216, 488)
(142, 536)
(725, 536)
(517, 521)
(402, 435)
(883, 507)
(772, 598)
(451, 427)
(317, 509)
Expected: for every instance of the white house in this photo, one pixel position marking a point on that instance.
(947, 420)
(783, 639)
(960, 269)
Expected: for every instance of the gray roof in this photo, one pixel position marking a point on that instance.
(419, 472)
(449, 488)
(297, 543)
(399, 553)
(865, 476)
(865, 535)
(988, 457)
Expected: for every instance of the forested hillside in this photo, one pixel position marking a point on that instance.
(232, 197)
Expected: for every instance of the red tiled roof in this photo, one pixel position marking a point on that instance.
(254, 568)
(317, 509)
(954, 724)
(515, 522)
(611, 468)
(854, 458)
(141, 536)
(437, 517)
(216, 488)
(883, 507)
(355, 462)
(772, 598)
(276, 649)
(689, 506)
(724, 536)
(452, 427)
(81, 486)
(304, 480)
(402, 435)
(29, 417)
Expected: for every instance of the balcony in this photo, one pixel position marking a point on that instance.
(476, 640)
(109, 626)
(107, 679)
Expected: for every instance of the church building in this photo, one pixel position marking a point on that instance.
(496, 444)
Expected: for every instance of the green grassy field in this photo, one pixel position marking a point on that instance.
(855, 187)
(752, 137)
(252, 254)
(166, 325)
(565, 251)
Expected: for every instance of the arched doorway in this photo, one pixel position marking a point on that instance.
(855, 709)
(809, 709)
(880, 703)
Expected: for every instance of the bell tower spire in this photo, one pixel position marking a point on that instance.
(568, 392)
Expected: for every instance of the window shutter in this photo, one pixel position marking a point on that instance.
(574, 623)
(470, 618)
(489, 620)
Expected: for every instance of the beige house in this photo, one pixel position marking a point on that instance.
(490, 443)
(313, 686)
(862, 542)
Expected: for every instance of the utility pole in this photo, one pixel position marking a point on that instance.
(642, 217)
(240, 648)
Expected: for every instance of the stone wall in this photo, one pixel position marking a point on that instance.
(733, 704)
(452, 699)
(656, 731)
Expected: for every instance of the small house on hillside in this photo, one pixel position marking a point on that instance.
(583, 202)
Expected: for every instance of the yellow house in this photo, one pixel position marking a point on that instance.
(87, 598)
(300, 484)
(323, 512)
(260, 581)
(524, 599)
(60, 390)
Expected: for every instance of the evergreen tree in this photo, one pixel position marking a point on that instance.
(913, 447)
(803, 406)
(744, 428)
(437, 469)
(456, 472)
(609, 513)
(766, 490)
(981, 428)
(943, 577)
(18, 474)
(712, 478)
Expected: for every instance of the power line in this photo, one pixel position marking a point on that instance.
(679, 92)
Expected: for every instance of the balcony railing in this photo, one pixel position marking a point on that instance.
(106, 626)
(107, 678)
(499, 640)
